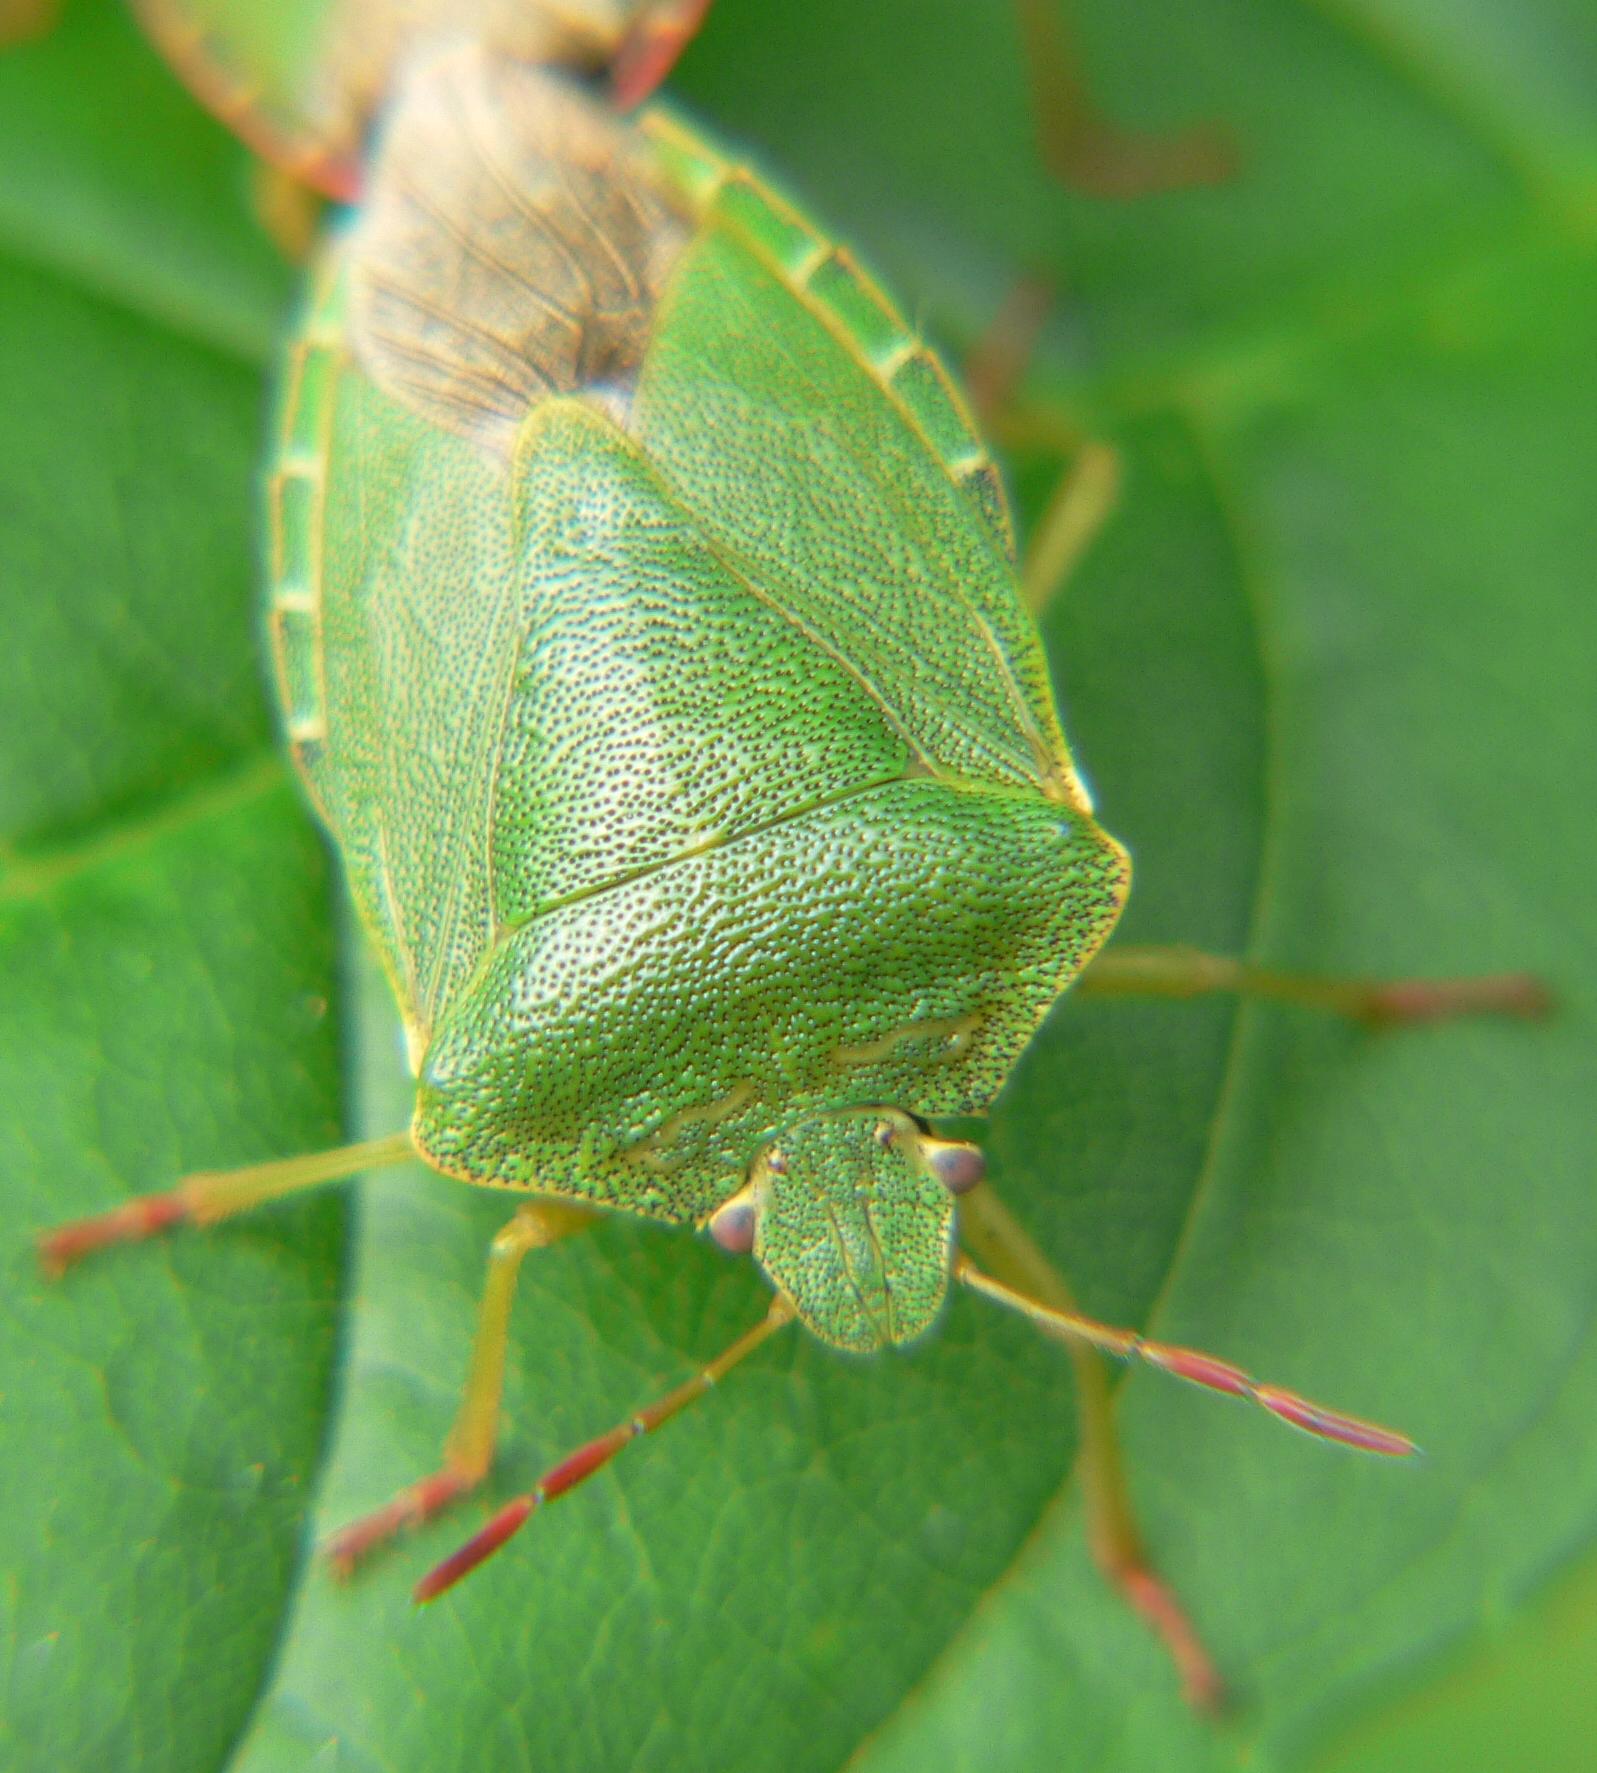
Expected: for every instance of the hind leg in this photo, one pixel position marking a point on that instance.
(997, 1239)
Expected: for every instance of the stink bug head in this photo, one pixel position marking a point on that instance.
(851, 1214)
(854, 1224)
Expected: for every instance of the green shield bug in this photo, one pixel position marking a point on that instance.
(647, 631)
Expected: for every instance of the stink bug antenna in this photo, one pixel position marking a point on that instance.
(594, 1454)
(1194, 1367)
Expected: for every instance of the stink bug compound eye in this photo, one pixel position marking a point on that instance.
(601, 472)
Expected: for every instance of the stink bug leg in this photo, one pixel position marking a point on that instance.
(1033, 1288)
(1084, 149)
(287, 208)
(1088, 485)
(22, 19)
(469, 1450)
(1081, 502)
(1180, 972)
(991, 1230)
(587, 1459)
(209, 1195)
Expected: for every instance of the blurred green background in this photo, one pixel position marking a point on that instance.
(1332, 668)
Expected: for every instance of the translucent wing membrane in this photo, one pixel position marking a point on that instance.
(372, 46)
(511, 246)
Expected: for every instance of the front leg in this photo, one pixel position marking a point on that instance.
(469, 1450)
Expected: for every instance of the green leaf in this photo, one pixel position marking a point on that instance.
(119, 181)
(1519, 1697)
(1330, 667)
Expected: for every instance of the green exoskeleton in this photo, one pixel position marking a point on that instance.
(647, 628)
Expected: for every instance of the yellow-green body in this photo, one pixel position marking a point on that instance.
(646, 628)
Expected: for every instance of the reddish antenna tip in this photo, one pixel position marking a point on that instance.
(1333, 1425)
(1299, 1412)
(476, 1550)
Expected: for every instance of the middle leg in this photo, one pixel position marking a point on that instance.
(1180, 972)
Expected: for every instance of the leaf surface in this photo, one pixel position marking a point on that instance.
(1330, 668)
